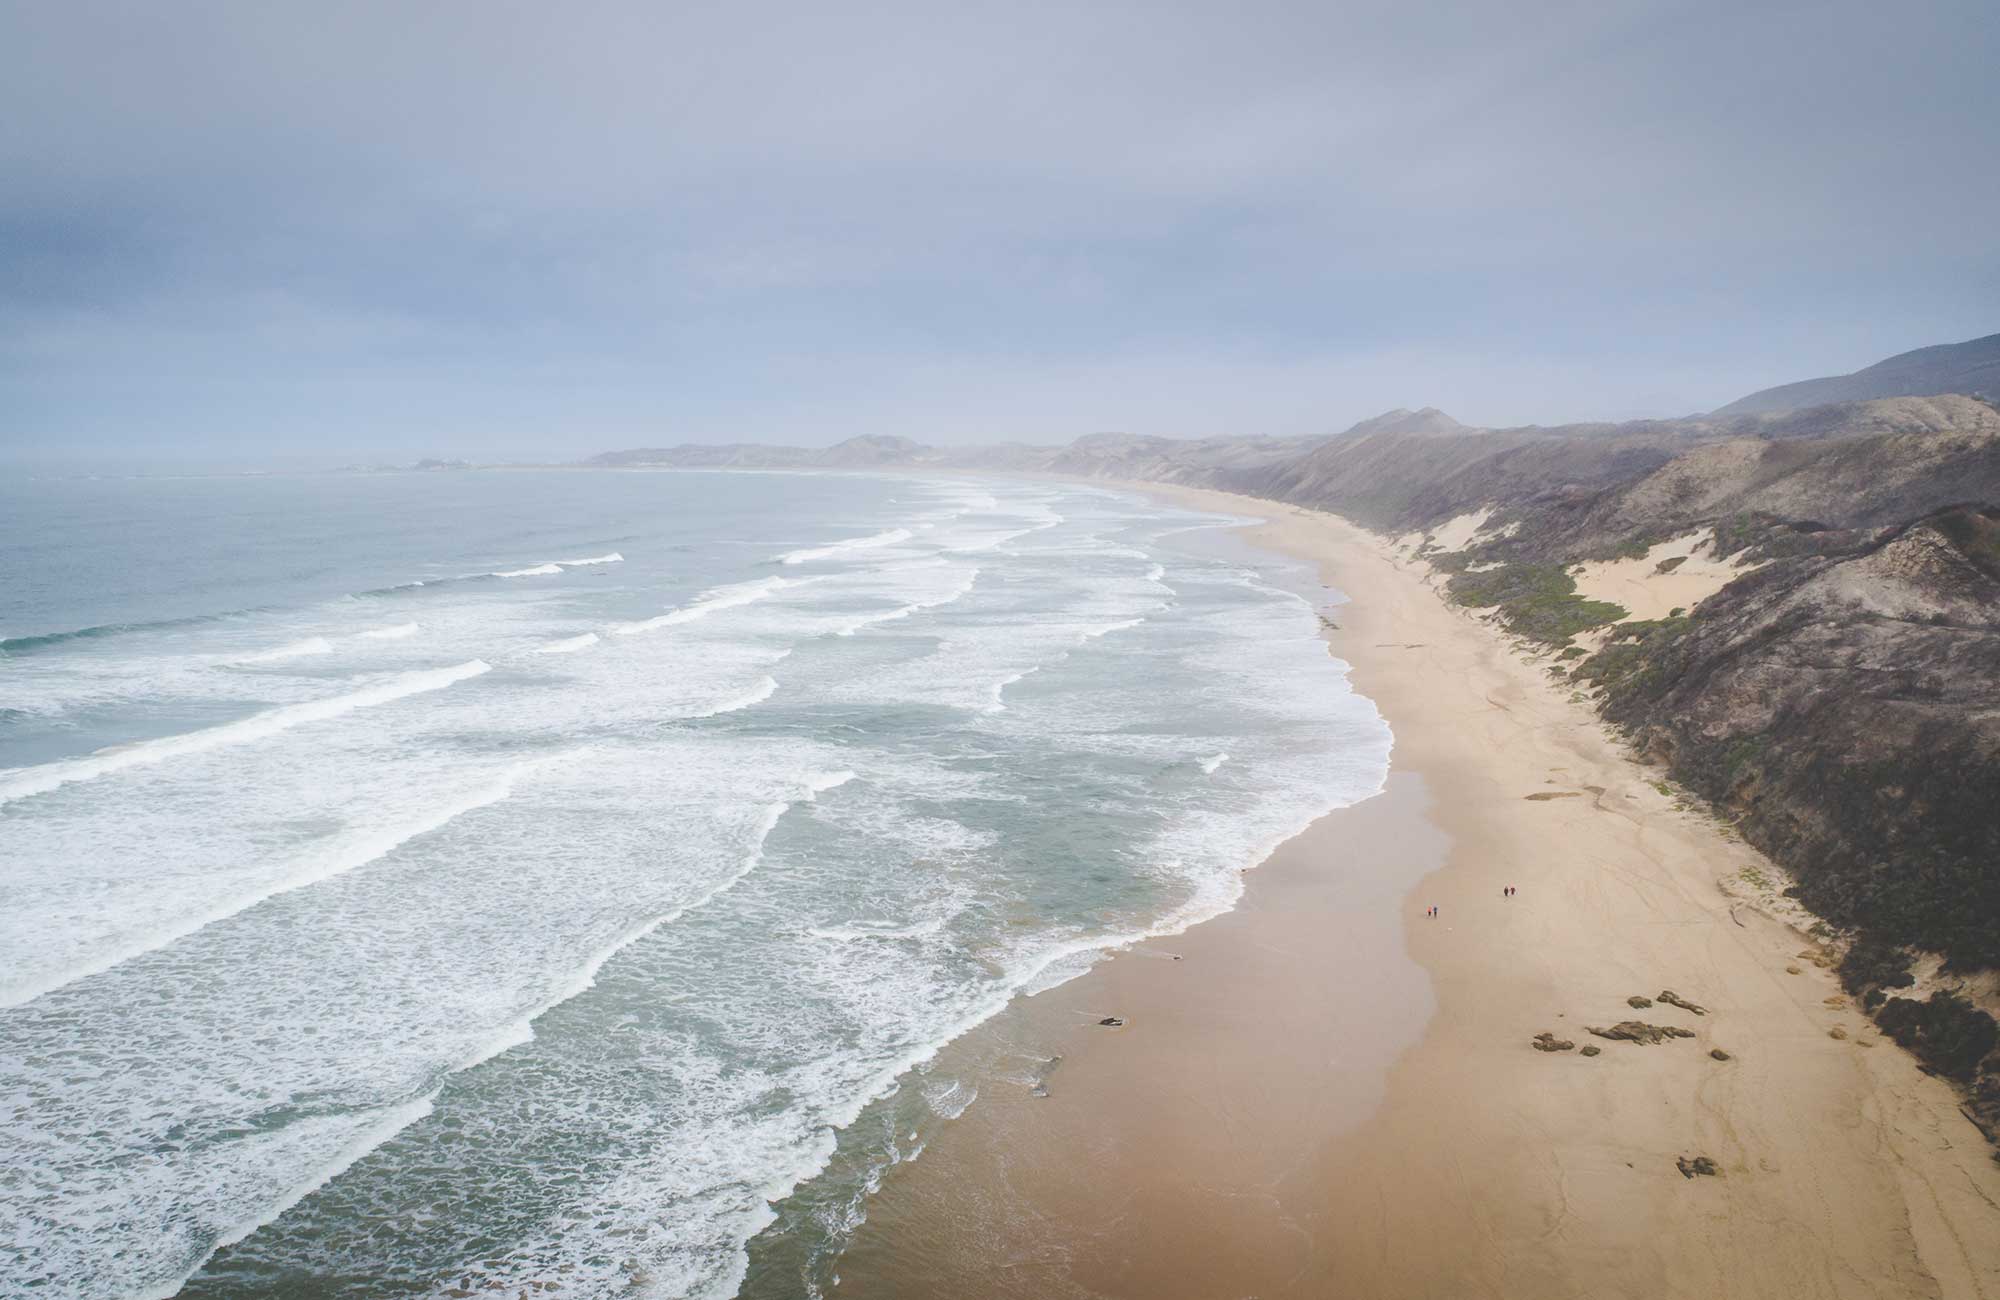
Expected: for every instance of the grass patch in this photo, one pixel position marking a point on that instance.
(1537, 601)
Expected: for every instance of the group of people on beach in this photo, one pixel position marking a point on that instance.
(1431, 912)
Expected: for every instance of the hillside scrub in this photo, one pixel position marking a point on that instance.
(1537, 601)
(1946, 1032)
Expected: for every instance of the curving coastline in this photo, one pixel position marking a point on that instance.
(1244, 1131)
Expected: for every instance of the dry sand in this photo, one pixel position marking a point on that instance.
(1244, 1135)
(1646, 592)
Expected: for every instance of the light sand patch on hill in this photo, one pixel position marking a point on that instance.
(1640, 586)
(1457, 534)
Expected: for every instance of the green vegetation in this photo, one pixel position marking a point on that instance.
(1538, 601)
(1633, 655)
(1741, 752)
(1946, 1032)
(1740, 531)
(1873, 964)
(1572, 652)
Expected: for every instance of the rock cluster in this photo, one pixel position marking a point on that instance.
(1674, 999)
(1638, 1031)
(1548, 1042)
(1690, 1166)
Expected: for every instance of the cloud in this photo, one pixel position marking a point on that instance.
(526, 229)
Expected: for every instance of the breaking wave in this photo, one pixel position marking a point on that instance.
(21, 782)
(811, 553)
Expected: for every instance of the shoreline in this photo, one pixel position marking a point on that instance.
(1230, 1138)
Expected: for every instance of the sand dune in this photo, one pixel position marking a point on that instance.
(1677, 574)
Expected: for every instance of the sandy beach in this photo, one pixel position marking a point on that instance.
(1327, 1092)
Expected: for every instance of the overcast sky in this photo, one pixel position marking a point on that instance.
(499, 229)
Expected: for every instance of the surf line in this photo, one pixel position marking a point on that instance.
(21, 782)
(344, 854)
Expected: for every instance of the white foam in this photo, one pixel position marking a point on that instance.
(710, 602)
(521, 1030)
(806, 556)
(568, 645)
(395, 633)
(391, 1122)
(342, 854)
(820, 783)
(1215, 521)
(1092, 633)
(757, 694)
(21, 782)
(1213, 761)
(610, 558)
(949, 1098)
(958, 593)
(999, 704)
(1157, 573)
(534, 571)
(314, 645)
(850, 933)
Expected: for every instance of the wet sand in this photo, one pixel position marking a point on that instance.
(1295, 1109)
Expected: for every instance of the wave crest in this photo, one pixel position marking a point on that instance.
(21, 782)
(827, 552)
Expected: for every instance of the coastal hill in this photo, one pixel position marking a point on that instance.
(1969, 367)
(1793, 610)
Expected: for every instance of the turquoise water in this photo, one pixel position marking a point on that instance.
(415, 884)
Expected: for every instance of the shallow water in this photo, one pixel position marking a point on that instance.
(421, 883)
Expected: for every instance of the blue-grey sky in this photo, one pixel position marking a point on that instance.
(541, 230)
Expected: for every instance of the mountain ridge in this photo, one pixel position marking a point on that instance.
(1971, 367)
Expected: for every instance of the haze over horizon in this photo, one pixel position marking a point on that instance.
(237, 231)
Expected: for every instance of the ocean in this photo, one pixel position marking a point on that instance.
(483, 882)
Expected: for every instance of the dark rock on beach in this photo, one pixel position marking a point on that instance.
(1718, 1053)
(1589, 1049)
(1638, 1031)
(1690, 1166)
(1547, 1042)
(1674, 999)
(1638, 1003)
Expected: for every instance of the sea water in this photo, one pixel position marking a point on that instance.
(472, 882)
